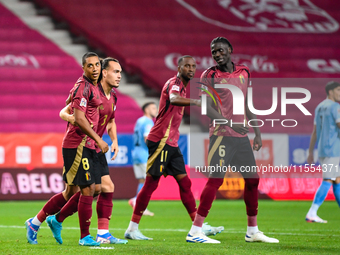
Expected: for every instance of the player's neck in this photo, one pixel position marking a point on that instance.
(184, 81)
(229, 67)
(148, 116)
(92, 82)
(107, 89)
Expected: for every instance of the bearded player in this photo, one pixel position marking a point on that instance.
(165, 157)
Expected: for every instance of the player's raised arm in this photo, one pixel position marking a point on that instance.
(176, 99)
(65, 114)
(213, 114)
(84, 125)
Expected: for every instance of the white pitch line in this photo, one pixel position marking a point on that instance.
(102, 248)
(226, 230)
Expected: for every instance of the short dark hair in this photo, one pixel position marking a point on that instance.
(146, 105)
(181, 59)
(331, 85)
(88, 55)
(106, 61)
(222, 40)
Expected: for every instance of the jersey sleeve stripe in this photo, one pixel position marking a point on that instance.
(86, 89)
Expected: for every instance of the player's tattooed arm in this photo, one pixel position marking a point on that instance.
(176, 99)
(213, 114)
(310, 158)
(84, 125)
(257, 143)
(111, 129)
(65, 114)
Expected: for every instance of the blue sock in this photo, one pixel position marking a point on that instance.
(336, 191)
(321, 193)
(140, 186)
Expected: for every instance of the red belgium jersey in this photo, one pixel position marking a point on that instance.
(86, 98)
(106, 110)
(170, 116)
(240, 78)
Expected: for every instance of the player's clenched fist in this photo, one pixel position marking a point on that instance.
(103, 146)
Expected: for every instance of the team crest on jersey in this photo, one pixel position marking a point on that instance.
(83, 102)
(175, 87)
(241, 78)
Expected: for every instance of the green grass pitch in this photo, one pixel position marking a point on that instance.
(169, 227)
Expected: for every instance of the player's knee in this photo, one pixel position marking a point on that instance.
(152, 182)
(70, 191)
(97, 189)
(107, 184)
(252, 182)
(88, 190)
(185, 183)
(108, 187)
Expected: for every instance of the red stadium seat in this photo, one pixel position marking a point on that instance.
(36, 79)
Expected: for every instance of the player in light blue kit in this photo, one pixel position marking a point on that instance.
(326, 134)
(140, 152)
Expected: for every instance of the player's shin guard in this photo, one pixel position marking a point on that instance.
(336, 191)
(187, 197)
(69, 208)
(52, 206)
(143, 198)
(85, 214)
(208, 195)
(251, 196)
(104, 209)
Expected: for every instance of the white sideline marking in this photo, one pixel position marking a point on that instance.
(103, 248)
(229, 231)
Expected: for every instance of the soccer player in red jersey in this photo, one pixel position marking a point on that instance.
(111, 75)
(165, 157)
(78, 153)
(229, 144)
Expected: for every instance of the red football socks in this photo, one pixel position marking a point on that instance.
(69, 208)
(104, 209)
(251, 196)
(198, 222)
(208, 195)
(143, 197)
(51, 207)
(187, 197)
(85, 214)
